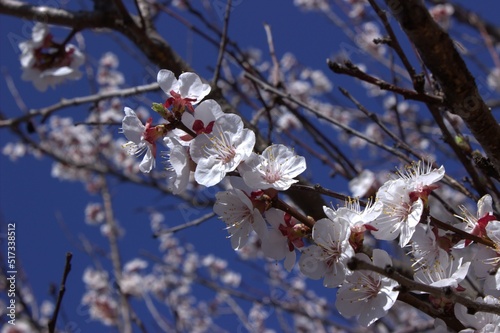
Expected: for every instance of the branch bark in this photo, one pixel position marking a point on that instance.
(439, 55)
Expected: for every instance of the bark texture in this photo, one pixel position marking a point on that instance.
(440, 56)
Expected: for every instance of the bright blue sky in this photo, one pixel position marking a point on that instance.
(37, 203)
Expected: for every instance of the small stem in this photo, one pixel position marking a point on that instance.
(222, 45)
(281, 205)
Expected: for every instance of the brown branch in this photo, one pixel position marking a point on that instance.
(124, 324)
(439, 55)
(350, 69)
(186, 225)
(463, 234)
(281, 205)
(78, 20)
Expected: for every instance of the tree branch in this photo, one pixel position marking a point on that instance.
(438, 53)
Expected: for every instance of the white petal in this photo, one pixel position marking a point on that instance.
(209, 171)
(148, 162)
(166, 79)
(190, 86)
(132, 127)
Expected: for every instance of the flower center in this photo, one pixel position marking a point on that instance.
(225, 150)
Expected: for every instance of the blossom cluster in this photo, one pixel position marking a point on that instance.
(207, 146)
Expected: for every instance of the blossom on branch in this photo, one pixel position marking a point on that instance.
(142, 138)
(47, 63)
(285, 235)
(183, 93)
(476, 225)
(275, 168)
(236, 209)
(367, 295)
(201, 121)
(222, 150)
(404, 201)
(328, 257)
(399, 216)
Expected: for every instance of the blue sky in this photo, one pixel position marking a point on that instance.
(49, 214)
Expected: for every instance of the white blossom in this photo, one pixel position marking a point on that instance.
(275, 168)
(400, 215)
(235, 208)
(222, 150)
(366, 294)
(328, 258)
(187, 91)
(47, 63)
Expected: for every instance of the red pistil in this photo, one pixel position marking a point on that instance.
(179, 104)
(293, 231)
(199, 127)
(480, 228)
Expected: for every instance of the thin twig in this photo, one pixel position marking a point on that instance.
(189, 224)
(320, 189)
(394, 43)
(346, 128)
(350, 69)
(222, 45)
(64, 103)
(115, 255)
(62, 289)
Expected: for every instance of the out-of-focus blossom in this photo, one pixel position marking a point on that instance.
(363, 185)
(96, 279)
(21, 326)
(107, 75)
(102, 307)
(480, 322)
(94, 214)
(47, 63)
(442, 14)
(312, 4)
(493, 79)
(369, 32)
